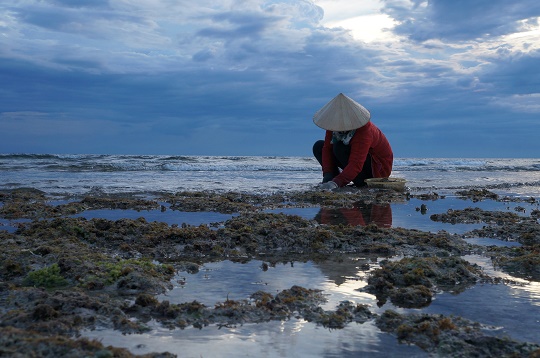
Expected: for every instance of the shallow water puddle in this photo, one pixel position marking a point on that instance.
(407, 214)
(513, 309)
(486, 241)
(299, 338)
(11, 225)
(292, 338)
(171, 217)
(214, 281)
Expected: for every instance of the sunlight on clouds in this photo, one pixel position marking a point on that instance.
(368, 28)
(363, 19)
(338, 10)
(527, 40)
(510, 45)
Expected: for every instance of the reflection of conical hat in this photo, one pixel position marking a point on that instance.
(341, 114)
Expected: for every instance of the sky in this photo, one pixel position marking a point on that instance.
(441, 78)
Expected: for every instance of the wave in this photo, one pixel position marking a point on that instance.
(28, 156)
(159, 163)
(134, 165)
(465, 164)
(61, 173)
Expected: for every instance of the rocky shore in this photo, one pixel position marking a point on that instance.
(62, 274)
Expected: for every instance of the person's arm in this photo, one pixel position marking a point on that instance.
(360, 144)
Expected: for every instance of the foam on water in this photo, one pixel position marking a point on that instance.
(78, 174)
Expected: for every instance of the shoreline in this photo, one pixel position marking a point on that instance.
(54, 264)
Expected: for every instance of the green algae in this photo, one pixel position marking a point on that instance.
(135, 273)
(47, 277)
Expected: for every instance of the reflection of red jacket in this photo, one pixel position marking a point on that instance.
(366, 139)
(381, 215)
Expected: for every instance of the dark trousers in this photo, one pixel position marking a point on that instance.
(341, 154)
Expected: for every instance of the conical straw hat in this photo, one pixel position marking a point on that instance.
(341, 114)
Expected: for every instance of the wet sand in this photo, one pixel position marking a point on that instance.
(106, 261)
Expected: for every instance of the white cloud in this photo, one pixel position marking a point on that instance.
(339, 10)
(527, 39)
(368, 28)
(363, 18)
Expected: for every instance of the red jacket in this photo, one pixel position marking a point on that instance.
(366, 139)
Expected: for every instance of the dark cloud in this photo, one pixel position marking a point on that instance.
(460, 20)
(251, 30)
(514, 74)
(203, 55)
(48, 18)
(87, 19)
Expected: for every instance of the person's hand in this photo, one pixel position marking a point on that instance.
(330, 185)
(327, 177)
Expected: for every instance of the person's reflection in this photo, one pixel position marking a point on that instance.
(360, 214)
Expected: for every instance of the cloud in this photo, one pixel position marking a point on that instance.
(229, 76)
(529, 103)
(422, 20)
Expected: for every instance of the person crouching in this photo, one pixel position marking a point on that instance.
(354, 149)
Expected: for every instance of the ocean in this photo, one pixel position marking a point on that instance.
(79, 174)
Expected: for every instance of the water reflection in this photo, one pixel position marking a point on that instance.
(511, 307)
(360, 214)
(171, 217)
(347, 269)
(12, 224)
(291, 338)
